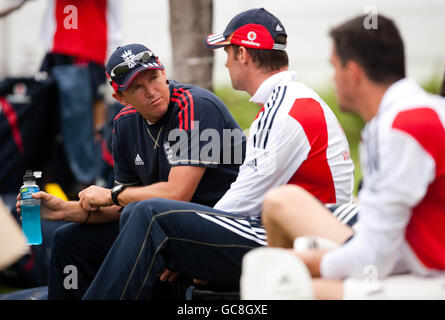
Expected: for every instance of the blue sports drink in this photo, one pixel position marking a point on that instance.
(31, 222)
(30, 209)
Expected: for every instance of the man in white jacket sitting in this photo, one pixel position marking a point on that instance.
(401, 204)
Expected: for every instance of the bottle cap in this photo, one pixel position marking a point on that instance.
(32, 176)
(29, 176)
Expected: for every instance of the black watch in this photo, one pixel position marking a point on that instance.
(115, 192)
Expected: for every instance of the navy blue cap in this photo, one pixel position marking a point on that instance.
(125, 60)
(255, 28)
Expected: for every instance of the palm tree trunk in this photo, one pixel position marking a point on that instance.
(190, 22)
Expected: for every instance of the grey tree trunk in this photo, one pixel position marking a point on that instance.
(190, 22)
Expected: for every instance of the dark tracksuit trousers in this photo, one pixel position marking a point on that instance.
(79, 246)
(84, 247)
(192, 239)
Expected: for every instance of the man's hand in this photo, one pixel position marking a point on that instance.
(171, 276)
(168, 275)
(94, 197)
(51, 207)
(199, 282)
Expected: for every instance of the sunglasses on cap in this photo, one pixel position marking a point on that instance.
(140, 58)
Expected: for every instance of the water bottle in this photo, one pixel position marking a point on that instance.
(31, 208)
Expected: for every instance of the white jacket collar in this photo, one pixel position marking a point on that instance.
(266, 88)
(397, 91)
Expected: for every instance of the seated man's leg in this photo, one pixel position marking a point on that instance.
(394, 287)
(327, 289)
(125, 214)
(290, 212)
(284, 275)
(78, 252)
(192, 239)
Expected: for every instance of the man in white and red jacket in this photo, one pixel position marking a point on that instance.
(402, 202)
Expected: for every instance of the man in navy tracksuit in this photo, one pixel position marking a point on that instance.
(171, 141)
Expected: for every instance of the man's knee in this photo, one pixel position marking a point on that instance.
(142, 211)
(277, 201)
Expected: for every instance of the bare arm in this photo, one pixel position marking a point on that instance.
(181, 185)
(101, 215)
(55, 209)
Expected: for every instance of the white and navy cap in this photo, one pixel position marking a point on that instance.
(127, 62)
(255, 28)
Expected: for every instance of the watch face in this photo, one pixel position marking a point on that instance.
(118, 187)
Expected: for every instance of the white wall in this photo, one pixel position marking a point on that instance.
(307, 23)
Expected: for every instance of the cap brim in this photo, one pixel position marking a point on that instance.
(217, 40)
(130, 77)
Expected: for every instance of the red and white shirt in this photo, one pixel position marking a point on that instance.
(402, 203)
(88, 30)
(296, 139)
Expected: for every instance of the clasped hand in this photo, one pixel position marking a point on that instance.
(94, 197)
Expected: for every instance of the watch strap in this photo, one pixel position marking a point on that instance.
(115, 193)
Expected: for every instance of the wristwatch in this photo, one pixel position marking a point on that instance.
(116, 191)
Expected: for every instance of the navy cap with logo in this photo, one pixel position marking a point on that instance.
(255, 28)
(127, 62)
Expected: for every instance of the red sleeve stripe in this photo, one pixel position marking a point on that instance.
(314, 174)
(181, 106)
(179, 103)
(186, 114)
(190, 104)
(192, 110)
(424, 231)
(123, 112)
(185, 101)
(424, 125)
(126, 108)
(184, 108)
(11, 117)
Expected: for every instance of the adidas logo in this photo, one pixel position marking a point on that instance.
(252, 164)
(138, 161)
(278, 28)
